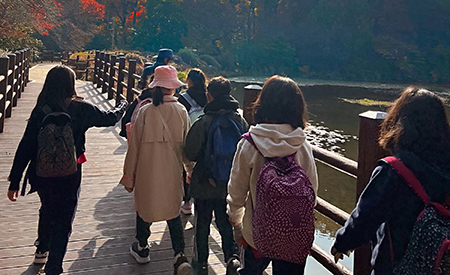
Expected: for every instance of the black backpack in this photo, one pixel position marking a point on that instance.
(56, 154)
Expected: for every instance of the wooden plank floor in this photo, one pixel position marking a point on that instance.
(105, 220)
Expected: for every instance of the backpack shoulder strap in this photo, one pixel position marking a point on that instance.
(400, 168)
(249, 138)
(189, 99)
(46, 109)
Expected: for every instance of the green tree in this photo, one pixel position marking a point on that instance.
(163, 26)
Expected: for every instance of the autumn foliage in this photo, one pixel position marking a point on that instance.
(56, 19)
(93, 8)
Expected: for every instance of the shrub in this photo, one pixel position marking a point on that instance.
(210, 61)
(182, 75)
(188, 56)
(82, 55)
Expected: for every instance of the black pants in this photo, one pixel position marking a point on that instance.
(256, 266)
(175, 230)
(186, 196)
(59, 199)
(203, 217)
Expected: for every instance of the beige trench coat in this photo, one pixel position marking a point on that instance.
(153, 167)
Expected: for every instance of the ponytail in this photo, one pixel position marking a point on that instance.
(158, 96)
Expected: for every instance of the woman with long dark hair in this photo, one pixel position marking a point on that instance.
(58, 195)
(194, 97)
(417, 132)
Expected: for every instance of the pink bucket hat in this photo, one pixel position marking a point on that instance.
(166, 77)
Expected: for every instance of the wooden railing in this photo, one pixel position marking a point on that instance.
(81, 67)
(112, 76)
(50, 55)
(14, 76)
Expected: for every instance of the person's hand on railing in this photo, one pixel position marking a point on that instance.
(339, 255)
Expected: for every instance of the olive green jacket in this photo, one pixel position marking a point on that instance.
(202, 186)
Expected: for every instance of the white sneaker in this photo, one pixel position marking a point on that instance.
(186, 208)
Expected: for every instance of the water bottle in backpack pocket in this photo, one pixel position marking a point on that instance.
(223, 135)
(428, 250)
(56, 153)
(283, 216)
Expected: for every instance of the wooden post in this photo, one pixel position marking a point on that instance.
(250, 93)
(101, 63)
(105, 73)
(22, 72)
(120, 76)
(4, 66)
(112, 74)
(15, 81)
(87, 68)
(27, 68)
(369, 152)
(18, 75)
(96, 61)
(11, 93)
(130, 82)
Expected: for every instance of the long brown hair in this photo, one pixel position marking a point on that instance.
(281, 101)
(417, 122)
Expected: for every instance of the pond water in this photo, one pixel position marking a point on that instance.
(334, 125)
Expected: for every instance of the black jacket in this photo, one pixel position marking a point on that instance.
(147, 93)
(388, 202)
(198, 95)
(194, 148)
(84, 116)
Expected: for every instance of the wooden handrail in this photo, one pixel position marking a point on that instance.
(336, 214)
(327, 261)
(117, 80)
(338, 162)
(14, 76)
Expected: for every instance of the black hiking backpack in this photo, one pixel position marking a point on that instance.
(56, 154)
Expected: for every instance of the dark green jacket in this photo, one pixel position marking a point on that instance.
(194, 149)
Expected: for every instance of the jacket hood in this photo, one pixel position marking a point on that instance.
(435, 173)
(277, 140)
(227, 103)
(198, 95)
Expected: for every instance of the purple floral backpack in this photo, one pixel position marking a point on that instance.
(283, 218)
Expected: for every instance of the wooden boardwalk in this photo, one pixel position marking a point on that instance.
(105, 220)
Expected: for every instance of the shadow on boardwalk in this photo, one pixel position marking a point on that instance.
(105, 220)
